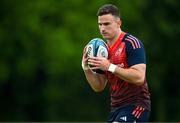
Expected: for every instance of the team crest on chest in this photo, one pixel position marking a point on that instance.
(118, 52)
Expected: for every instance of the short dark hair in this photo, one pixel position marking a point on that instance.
(108, 9)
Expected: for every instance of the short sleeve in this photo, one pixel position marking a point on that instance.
(134, 51)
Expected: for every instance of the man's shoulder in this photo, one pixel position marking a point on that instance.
(132, 41)
(127, 35)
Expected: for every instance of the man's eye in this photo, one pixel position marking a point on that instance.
(106, 24)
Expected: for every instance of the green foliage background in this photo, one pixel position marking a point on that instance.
(41, 43)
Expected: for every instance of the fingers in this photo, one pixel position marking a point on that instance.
(94, 64)
(85, 53)
(95, 68)
(94, 61)
(85, 59)
(99, 63)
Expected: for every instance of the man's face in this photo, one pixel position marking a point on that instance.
(109, 26)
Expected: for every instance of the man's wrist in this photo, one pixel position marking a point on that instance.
(112, 68)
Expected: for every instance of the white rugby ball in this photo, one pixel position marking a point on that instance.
(97, 48)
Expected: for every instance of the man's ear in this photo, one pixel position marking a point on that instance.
(119, 22)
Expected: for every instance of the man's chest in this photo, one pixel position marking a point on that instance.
(118, 55)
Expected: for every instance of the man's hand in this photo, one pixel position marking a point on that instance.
(99, 63)
(85, 60)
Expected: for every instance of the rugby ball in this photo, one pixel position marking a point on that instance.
(97, 48)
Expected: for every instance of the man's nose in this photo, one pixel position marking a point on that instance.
(102, 28)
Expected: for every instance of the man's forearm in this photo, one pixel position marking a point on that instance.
(134, 75)
(96, 81)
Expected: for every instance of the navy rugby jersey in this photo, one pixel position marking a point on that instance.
(126, 52)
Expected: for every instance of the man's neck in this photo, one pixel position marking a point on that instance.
(111, 42)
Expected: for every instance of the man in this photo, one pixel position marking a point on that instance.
(125, 70)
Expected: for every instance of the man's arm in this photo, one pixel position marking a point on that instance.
(134, 75)
(95, 80)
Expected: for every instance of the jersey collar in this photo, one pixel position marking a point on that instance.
(119, 40)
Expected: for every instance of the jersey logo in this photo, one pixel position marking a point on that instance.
(123, 118)
(138, 111)
(118, 52)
